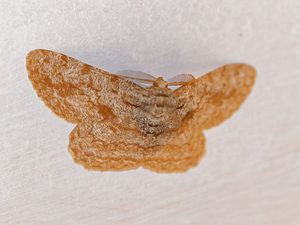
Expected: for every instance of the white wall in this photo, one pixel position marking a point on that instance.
(251, 172)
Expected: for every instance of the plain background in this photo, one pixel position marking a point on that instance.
(251, 172)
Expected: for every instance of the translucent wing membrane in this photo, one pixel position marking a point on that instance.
(180, 79)
(137, 77)
(145, 78)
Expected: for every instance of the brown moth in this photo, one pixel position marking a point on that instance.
(122, 125)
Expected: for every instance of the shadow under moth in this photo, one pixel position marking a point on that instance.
(121, 125)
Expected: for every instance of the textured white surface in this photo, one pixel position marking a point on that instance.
(251, 172)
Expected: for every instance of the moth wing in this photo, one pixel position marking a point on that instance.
(179, 151)
(216, 95)
(136, 74)
(137, 77)
(77, 91)
(106, 145)
(181, 78)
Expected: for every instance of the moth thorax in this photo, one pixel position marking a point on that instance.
(160, 82)
(158, 114)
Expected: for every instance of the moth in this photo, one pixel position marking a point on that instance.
(122, 125)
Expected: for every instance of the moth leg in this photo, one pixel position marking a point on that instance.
(179, 153)
(103, 146)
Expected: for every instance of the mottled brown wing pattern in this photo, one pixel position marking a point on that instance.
(121, 125)
(106, 146)
(76, 91)
(216, 95)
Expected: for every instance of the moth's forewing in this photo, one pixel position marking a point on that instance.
(216, 95)
(136, 74)
(138, 77)
(75, 90)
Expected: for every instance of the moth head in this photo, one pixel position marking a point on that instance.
(160, 82)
